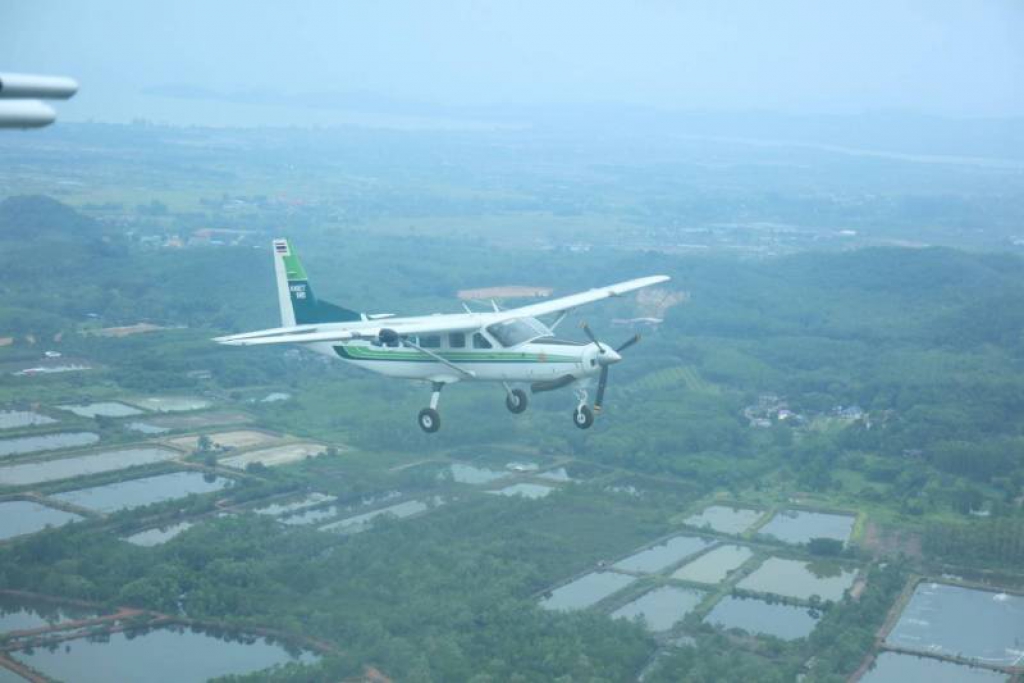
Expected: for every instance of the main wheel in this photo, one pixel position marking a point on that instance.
(582, 417)
(430, 420)
(515, 401)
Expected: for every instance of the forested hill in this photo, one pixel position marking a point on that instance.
(37, 216)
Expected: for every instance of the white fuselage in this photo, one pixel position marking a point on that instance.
(532, 361)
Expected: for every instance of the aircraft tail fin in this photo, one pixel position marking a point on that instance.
(295, 297)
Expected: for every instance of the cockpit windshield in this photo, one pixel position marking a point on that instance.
(515, 332)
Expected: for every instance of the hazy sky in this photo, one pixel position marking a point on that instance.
(952, 57)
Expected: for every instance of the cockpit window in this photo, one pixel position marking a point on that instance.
(518, 331)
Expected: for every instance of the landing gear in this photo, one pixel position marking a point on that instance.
(515, 400)
(582, 417)
(429, 419)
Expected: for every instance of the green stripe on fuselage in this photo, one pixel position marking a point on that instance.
(353, 352)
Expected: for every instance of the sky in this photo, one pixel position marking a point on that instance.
(959, 58)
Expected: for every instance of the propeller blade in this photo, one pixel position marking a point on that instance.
(601, 384)
(590, 334)
(629, 342)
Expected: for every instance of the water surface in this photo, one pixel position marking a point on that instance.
(800, 526)
(662, 608)
(471, 474)
(525, 490)
(19, 613)
(9, 419)
(101, 408)
(715, 565)
(362, 522)
(136, 492)
(892, 667)
(52, 470)
(159, 656)
(158, 535)
(799, 579)
(585, 591)
(725, 519)
(983, 625)
(757, 616)
(46, 442)
(18, 517)
(663, 555)
(146, 428)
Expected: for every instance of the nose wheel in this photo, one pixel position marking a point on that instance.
(582, 416)
(429, 419)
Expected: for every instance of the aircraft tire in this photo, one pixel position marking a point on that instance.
(583, 417)
(429, 420)
(516, 401)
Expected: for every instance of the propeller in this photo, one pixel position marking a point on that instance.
(602, 381)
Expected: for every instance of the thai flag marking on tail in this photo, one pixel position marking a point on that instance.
(281, 247)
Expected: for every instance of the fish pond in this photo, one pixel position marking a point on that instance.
(23, 474)
(471, 474)
(165, 404)
(136, 492)
(20, 613)
(46, 442)
(661, 608)
(101, 409)
(662, 555)
(147, 428)
(585, 591)
(800, 526)
(984, 625)
(525, 490)
(19, 517)
(158, 535)
(892, 667)
(714, 565)
(363, 521)
(12, 419)
(725, 519)
(284, 508)
(799, 579)
(759, 617)
(570, 473)
(167, 655)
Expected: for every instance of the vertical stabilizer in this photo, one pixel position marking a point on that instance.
(298, 304)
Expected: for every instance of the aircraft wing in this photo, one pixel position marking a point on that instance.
(572, 301)
(307, 334)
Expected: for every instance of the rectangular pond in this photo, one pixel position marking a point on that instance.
(983, 625)
(171, 404)
(102, 409)
(362, 522)
(715, 565)
(525, 490)
(46, 442)
(800, 526)
(471, 474)
(23, 613)
(158, 535)
(759, 617)
(892, 667)
(725, 519)
(27, 473)
(570, 473)
(664, 554)
(585, 591)
(799, 579)
(290, 506)
(661, 608)
(137, 492)
(19, 517)
(12, 419)
(167, 655)
(147, 428)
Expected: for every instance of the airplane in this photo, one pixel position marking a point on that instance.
(507, 346)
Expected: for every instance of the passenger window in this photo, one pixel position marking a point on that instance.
(431, 341)
(457, 340)
(480, 341)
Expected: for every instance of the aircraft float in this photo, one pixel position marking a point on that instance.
(508, 346)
